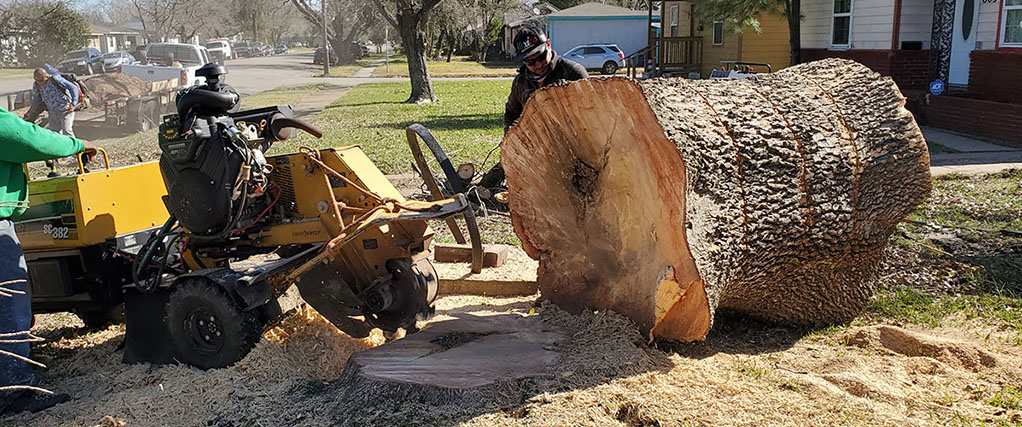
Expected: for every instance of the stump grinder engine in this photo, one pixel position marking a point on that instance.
(206, 284)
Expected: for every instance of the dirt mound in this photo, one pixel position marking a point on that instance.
(105, 87)
(914, 344)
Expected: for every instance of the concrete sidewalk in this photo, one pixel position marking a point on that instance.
(974, 155)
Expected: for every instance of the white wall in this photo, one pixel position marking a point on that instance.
(987, 32)
(628, 34)
(872, 24)
(916, 22)
(816, 25)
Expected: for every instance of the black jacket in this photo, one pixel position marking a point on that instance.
(523, 87)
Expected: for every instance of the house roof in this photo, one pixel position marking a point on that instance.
(102, 29)
(528, 13)
(596, 10)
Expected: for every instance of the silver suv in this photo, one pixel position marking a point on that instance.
(607, 58)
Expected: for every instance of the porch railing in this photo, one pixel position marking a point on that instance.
(680, 53)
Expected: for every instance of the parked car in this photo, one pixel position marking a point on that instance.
(243, 49)
(114, 60)
(607, 58)
(259, 49)
(317, 58)
(219, 51)
(280, 49)
(358, 50)
(82, 61)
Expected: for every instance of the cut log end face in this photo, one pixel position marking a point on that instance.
(596, 200)
(666, 199)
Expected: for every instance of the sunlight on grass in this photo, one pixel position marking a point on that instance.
(467, 121)
(458, 67)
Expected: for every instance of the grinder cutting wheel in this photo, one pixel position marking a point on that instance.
(355, 248)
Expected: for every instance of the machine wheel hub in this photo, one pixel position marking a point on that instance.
(204, 330)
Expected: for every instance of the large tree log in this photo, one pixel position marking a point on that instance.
(669, 198)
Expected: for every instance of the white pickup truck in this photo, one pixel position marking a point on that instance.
(158, 67)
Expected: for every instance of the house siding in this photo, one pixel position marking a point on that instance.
(730, 50)
(627, 34)
(916, 22)
(770, 45)
(684, 18)
(987, 30)
(872, 24)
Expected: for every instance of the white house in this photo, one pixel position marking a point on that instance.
(112, 39)
(974, 47)
(596, 23)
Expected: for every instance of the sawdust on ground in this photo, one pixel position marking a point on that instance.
(744, 374)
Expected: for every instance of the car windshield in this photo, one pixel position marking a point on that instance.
(185, 54)
(614, 48)
(215, 45)
(112, 55)
(78, 54)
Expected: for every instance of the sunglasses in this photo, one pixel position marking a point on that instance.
(537, 59)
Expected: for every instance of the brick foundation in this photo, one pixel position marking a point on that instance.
(995, 76)
(997, 120)
(910, 69)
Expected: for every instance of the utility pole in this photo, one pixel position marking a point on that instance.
(326, 43)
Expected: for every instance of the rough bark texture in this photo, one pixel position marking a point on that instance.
(669, 198)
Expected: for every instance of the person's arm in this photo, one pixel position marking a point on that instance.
(36, 106)
(68, 86)
(25, 142)
(513, 107)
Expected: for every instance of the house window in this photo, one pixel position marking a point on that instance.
(718, 33)
(842, 26)
(674, 21)
(1012, 22)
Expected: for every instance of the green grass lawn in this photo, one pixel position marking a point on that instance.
(283, 95)
(15, 73)
(459, 66)
(468, 122)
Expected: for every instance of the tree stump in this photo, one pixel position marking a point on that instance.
(468, 358)
(669, 198)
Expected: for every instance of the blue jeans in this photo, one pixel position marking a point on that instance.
(15, 312)
(62, 122)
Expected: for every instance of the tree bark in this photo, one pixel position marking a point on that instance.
(410, 23)
(414, 41)
(793, 10)
(667, 199)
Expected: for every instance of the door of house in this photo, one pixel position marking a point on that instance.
(963, 40)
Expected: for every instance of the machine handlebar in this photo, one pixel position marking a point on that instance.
(280, 124)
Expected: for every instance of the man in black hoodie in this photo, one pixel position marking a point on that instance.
(541, 66)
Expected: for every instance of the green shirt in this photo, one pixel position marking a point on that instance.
(22, 142)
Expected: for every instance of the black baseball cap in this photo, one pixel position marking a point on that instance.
(529, 41)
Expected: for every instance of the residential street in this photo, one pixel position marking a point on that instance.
(253, 75)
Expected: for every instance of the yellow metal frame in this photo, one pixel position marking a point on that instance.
(93, 207)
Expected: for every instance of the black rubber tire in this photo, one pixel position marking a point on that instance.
(197, 309)
(610, 67)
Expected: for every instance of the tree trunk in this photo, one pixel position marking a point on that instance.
(452, 45)
(794, 13)
(414, 40)
(669, 198)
